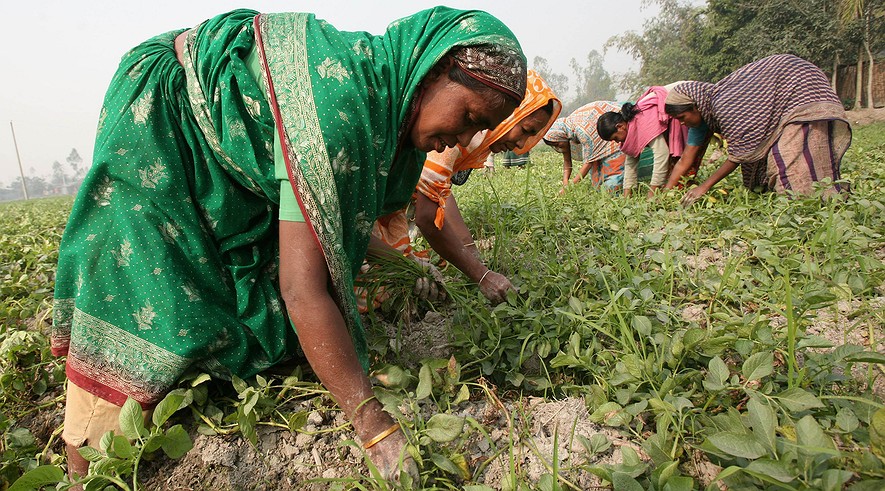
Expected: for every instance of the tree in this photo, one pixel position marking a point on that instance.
(666, 48)
(868, 16)
(739, 32)
(556, 81)
(592, 82)
(75, 161)
(58, 174)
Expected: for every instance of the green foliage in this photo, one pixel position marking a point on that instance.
(604, 284)
(29, 375)
(687, 41)
(692, 332)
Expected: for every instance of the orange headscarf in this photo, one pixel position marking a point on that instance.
(436, 181)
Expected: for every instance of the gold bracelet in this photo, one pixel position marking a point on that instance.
(484, 276)
(380, 436)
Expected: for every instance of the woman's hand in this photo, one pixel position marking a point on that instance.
(494, 286)
(389, 454)
(430, 286)
(692, 195)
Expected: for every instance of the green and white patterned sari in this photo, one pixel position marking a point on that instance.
(170, 257)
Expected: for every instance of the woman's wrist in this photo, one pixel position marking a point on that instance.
(370, 419)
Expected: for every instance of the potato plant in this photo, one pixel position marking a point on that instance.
(744, 332)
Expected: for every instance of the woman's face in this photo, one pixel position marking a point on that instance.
(450, 114)
(621, 133)
(528, 127)
(558, 147)
(690, 118)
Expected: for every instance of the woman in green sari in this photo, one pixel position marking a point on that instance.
(239, 167)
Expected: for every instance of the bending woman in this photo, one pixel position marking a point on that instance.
(642, 125)
(602, 159)
(436, 211)
(239, 167)
(784, 125)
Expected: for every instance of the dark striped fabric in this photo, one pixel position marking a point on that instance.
(751, 106)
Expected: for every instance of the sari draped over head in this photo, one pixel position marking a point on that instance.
(169, 261)
(751, 106)
(436, 177)
(651, 121)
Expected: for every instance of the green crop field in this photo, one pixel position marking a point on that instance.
(735, 344)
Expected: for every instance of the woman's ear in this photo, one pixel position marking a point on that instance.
(442, 67)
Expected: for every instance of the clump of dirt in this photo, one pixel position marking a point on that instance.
(414, 340)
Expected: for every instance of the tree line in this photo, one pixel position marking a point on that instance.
(687, 41)
(65, 179)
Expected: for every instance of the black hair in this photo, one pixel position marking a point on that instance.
(607, 124)
(677, 109)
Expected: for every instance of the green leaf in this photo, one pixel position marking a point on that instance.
(727, 472)
(846, 420)
(866, 357)
(177, 442)
(815, 342)
(737, 444)
(666, 471)
(576, 305)
(239, 384)
(37, 478)
(457, 465)
(624, 482)
(773, 468)
(679, 483)
(152, 443)
(834, 479)
(121, 447)
(478, 487)
(642, 325)
(90, 454)
(877, 433)
(758, 366)
(717, 374)
(199, 379)
(763, 421)
(297, 420)
(425, 382)
(444, 428)
(174, 401)
(812, 440)
(797, 400)
(132, 419)
(463, 395)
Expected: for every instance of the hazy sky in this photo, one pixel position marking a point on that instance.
(59, 55)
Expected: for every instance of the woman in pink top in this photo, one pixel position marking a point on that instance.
(645, 124)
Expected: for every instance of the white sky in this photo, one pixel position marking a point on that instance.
(59, 55)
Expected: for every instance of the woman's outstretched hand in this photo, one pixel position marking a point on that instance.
(692, 195)
(494, 286)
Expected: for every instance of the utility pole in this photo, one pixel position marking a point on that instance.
(20, 170)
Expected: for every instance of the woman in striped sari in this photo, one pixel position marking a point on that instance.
(239, 167)
(785, 126)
